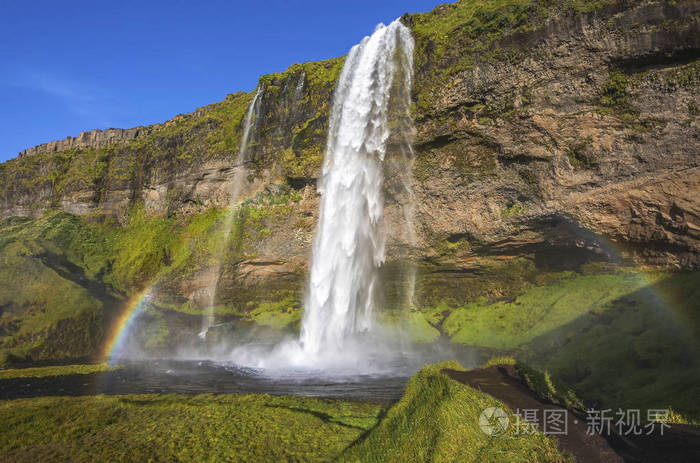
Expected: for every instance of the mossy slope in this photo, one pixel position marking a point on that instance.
(625, 339)
(55, 288)
(437, 419)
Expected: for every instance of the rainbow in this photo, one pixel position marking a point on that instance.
(115, 339)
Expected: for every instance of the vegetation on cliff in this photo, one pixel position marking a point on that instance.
(64, 278)
(455, 37)
(55, 291)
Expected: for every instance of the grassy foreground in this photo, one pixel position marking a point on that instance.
(180, 428)
(436, 420)
(59, 370)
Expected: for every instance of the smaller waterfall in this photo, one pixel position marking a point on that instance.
(253, 109)
(300, 86)
(234, 196)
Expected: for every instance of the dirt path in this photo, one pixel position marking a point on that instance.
(678, 444)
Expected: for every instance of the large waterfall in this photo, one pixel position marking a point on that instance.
(349, 243)
(371, 104)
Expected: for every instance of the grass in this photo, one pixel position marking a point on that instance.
(507, 325)
(541, 382)
(417, 328)
(60, 370)
(640, 352)
(502, 360)
(54, 288)
(626, 339)
(549, 388)
(437, 419)
(277, 315)
(180, 428)
(62, 276)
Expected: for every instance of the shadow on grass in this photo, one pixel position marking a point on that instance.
(325, 417)
(640, 350)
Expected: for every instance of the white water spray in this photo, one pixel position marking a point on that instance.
(338, 332)
(349, 243)
(234, 196)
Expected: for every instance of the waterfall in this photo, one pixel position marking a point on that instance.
(349, 244)
(253, 108)
(233, 197)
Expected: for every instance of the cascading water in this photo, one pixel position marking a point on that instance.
(349, 244)
(233, 195)
(339, 334)
(249, 123)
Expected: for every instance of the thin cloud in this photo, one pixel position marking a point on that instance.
(83, 99)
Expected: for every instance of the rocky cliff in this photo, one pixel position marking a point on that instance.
(560, 133)
(93, 139)
(528, 118)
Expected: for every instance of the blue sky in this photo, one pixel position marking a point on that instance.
(68, 66)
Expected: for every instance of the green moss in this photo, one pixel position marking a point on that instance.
(61, 370)
(639, 350)
(587, 6)
(578, 153)
(548, 388)
(615, 97)
(541, 382)
(187, 308)
(144, 249)
(494, 361)
(55, 287)
(61, 276)
(623, 339)
(437, 419)
(181, 428)
(513, 208)
(277, 315)
(508, 325)
(415, 325)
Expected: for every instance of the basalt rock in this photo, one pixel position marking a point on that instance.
(587, 115)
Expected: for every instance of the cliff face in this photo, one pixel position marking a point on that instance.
(548, 118)
(539, 126)
(587, 121)
(92, 139)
